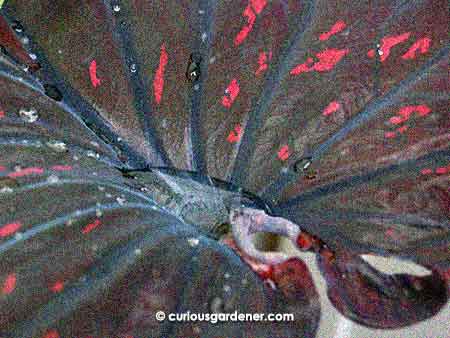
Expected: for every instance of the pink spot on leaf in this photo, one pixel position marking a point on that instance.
(235, 135)
(2, 114)
(389, 134)
(405, 113)
(336, 28)
(283, 153)
(158, 82)
(232, 92)
(243, 33)
(331, 108)
(262, 61)
(62, 167)
(93, 74)
(426, 171)
(9, 284)
(253, 8)
(327, 60)
(58, 286)
(402, 129)
(91, 226)
(421, 46)
(371, 53)
(26, 172)
(2, 168)
(442, 170)
(9, 229)
(302, 68)
(258, 5)
(387, 43)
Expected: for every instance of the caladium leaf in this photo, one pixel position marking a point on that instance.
(131, 132)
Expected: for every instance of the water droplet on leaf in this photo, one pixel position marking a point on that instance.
(52, 179)
(17, 26)
(57, 146)
(29, 116)
(6, 190)
(302, 165)
(193, 241)
(121, 200)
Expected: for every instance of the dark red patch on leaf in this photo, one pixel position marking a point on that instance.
(51, 334)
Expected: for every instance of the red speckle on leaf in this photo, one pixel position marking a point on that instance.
(258, 5)
(389, 134)
(232, 92)
(327, 60)
(2, 114)
(437, 171)
(387, 43)
(91, 226)
(242, 35)
(442, 170)
(58, 286)
(283, 153)
(9, 284)
(62, 167)
(302, 68)
(51, 334)
(402, 129)
(262, 61)
(405, 113)
(426, 171)
(253, 8)
(331, 108)
(26, 172)
(93, 74)
(336, 28)
(235, 135)
(421, 46)
(371, 53)
(391, 233)
(158, 82)
(9, 229)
